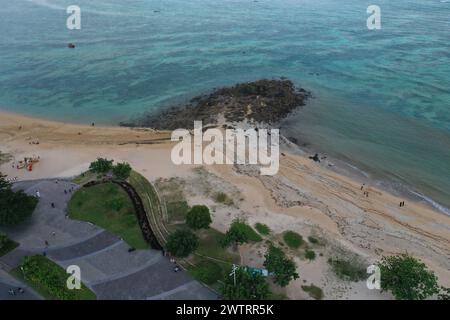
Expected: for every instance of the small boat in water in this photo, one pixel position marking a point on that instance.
(71, 46)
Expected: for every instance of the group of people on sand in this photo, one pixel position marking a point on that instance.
(366, 193)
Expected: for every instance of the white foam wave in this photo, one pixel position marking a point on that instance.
(433, 203)
(45, 3)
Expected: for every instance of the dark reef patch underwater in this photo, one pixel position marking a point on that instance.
(260, 102)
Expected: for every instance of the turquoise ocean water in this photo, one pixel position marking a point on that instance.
(382, 98)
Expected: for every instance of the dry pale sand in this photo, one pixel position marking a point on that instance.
(304, 196)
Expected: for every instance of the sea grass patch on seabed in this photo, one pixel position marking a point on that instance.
(262, 101)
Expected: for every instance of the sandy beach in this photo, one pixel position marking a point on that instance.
(304, 196)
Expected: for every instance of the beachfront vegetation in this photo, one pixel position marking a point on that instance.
(313, 240)
(348, 270)
(172, 195)
(15, 207)
(108, 206)
(313, 291)
(177, 210)
(293, 239)
(208, 272)
(4, 157)
(101, 165)
(182, 243)
(239, 233)
(198, 217)
(210, 250)
(248, 286)
(222, 197)
(310, 254)
(210, 262)
(49, 279)
(262, 228)
(6, 245)
(121, 171)
(407, 278)
(283, 268)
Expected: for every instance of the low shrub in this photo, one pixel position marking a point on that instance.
(348, 270)
(262, 228)
(313, 291)
(293, 239)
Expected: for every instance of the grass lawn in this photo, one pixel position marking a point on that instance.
(177, 211)
(49, 279)
(8, 246)
(212, 262)
(209, 245)
(86, 177)
(108, 206)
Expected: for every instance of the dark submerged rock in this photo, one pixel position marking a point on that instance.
(262, 101)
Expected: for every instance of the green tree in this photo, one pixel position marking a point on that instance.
(198, 217)
(15, 207)
(407, 278)
(182, 243)
(283, 268)
(236, 235)
(122, 171)
(101, 165)
(3, 240)
(4, 184)
(249, 286)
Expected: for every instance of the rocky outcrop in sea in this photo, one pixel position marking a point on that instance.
(259, 102)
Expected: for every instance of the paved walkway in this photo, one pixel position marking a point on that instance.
(7, 282)
(106, 265)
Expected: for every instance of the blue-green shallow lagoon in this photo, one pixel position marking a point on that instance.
(382, 97)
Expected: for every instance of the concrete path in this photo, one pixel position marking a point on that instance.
(7, 283)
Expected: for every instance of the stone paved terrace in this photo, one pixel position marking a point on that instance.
(106, 265)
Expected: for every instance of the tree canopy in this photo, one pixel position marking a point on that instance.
(182, 243)
(237, 234)
(121, 170)
(283, 268)
(101, 165)
(249, 286)
(15, 207)
(198, 217)
(407, 278)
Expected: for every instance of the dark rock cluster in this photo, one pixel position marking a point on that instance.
(260, 102)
